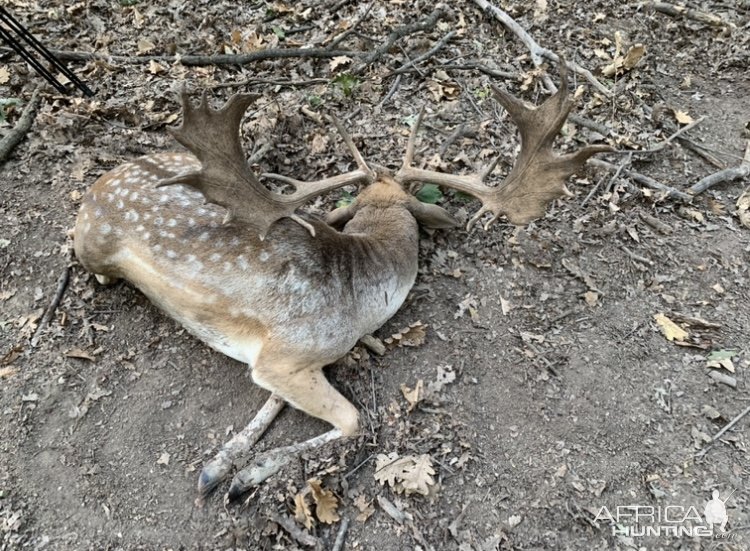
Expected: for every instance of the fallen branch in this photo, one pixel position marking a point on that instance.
(425, 56)
(701, 151)
(339, 543)
(644, 180)
(62, 284)
(726, 175)
(426, 24)
(658, 147)
(474, 66)
(696, 15)
(538, 52)
(202, 60)
(270, 82)
(297, 534)
(22, 127)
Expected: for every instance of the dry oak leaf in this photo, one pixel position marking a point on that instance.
(670, 329)
(413, 335)
(408, 474)
(682, 117)
(325, 502)
(743, 209)
(415, 395)
(302, 512)
(338, 61)
(626, 62)
(366, 508)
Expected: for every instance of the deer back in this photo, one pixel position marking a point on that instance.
(234, 290)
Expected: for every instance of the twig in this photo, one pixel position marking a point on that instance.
(460, 132)
(723, 378)
(538, 52)
(344, 35)
(697, 15)
(425, 24)
(719, 434)
(391, 91)
(62, 284)
(620, 168)
(474, 66)
(700, 150)
(726, 175)
(425, 56)
(658, 147)
(219, 59)
(297, 534)
(636, 257)
(588, 123)
(22, 127)
(644, 180)
(339, 543)
(270, 82)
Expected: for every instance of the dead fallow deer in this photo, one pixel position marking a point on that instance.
(284, 294)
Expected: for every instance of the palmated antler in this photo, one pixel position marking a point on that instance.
(538, 175)
(213, 136)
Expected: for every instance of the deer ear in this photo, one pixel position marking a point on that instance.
(341, 215)
(431, 216)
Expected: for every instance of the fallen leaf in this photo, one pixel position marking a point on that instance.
(408, 474)
(366, 508)
(514, 520)
(719, 359)
(144, 46)
(4, 75)
(302, 512)
(743, 209)
(80, 354)
(326, 502)
(5, 295)
(625, 63)
(412, 336)
(6, 372)
(339, 61)
(163, 459)
(682, 117)
(591, 297)
(670, 329)
(156, 68)
(415, 395)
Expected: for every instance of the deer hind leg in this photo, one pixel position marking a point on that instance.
(217, 469)
(106, 280)
(307, 389)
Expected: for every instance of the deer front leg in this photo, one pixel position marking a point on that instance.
(217, 469)
(307, 389)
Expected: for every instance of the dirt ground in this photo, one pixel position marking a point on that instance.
(553, 391)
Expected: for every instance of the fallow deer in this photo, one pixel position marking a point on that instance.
(282, 293)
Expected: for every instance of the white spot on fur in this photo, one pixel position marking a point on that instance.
(132, 216)
(227, 266)
(134, 196)
(263, 256)
(242, 262)
(172, 223)
(98, 212)
(203, 236)
(235, 241)
(120, 204)
(105, 229)
(171, 254)
(146, 236)
(215, 257)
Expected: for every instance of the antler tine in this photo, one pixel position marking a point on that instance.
(409, 155)
(352, 148)
(213, 136)
(538, 174)
(304, 191)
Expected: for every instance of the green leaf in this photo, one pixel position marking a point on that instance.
(718, 355)
(314, 100)
(346, 200)
(4, 104)
(278, 31)
(347, 83)
(463, 197)
(430, 193)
